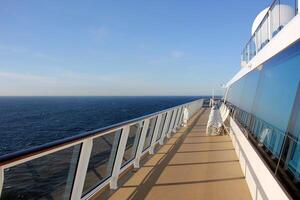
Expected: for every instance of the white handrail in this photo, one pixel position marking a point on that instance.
(170, 124)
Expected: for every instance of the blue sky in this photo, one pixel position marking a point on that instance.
(153, 47)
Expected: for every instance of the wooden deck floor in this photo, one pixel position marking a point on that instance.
(190, 165)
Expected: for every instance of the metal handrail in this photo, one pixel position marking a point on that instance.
(4, 159)
(85, 140)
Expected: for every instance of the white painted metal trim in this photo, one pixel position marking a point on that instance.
(1, 179)
(96, 190)
(82, 167)
(119, 158)
(164, 131)
(141, 144)
(177, 122)
(155, 133)
(172, 123)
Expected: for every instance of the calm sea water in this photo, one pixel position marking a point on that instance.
(30, 121)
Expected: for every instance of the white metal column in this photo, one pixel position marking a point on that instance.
(165, 129)
(270, 27)
(119, 158)
(82, 167)
(177, 120)
(139, 150)
(171, 124)
(158, 121)
(1, 179)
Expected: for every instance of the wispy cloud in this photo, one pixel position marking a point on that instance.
(13, 48)
(20, 50)
(68, 83)
(23, 77)
(100, 33)
(177, 54)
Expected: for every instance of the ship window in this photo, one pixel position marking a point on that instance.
(249, 91)
(101, 160)
(293, 144)
(277, 88)
(132, 142)
(149, 133)
(161, 126)
(47, 177)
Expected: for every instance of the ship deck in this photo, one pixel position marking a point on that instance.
(191, 165)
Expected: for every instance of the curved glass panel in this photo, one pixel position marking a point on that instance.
(102, 159)
(48, 177)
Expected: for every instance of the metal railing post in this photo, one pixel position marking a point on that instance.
(171, 124)
(1, 179)
(176, 121)
(269, 25)
(164, 131)
(139, 150)
(82, 167)
(119, 158)
(151, 151)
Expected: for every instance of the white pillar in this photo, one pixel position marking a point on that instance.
(1, 179)
(171, 124)
(177, 119)
(155, 133)
(82, 167)
(270, 30)
(119, 157)
(140, 147)
(165, 129)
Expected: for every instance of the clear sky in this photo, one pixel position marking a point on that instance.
(143, 47)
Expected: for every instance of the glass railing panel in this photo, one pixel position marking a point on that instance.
(161, 126)
(149, 133)
(132, 142)
(101, 160)
(47, 177)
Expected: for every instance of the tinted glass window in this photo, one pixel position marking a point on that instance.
(249, 90)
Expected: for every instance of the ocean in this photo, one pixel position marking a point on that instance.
(31, 121)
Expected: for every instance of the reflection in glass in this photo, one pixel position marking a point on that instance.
(293, 145)
(48, 177)
(161, 126)
(101, 161)
(149, 133)
(132, 142)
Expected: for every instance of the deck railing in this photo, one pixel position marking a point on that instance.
(278, 15)
(80, 166)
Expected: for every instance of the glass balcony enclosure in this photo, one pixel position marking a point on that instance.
(277, 16)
